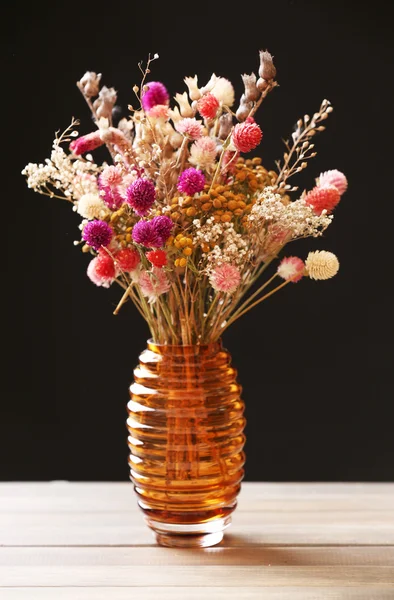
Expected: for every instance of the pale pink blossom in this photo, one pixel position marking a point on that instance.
(291, 268)
(111, 176)
(335, 178)
(160, 111)
(154, 283)
(203, 152)
(225, 278)
(190, 127)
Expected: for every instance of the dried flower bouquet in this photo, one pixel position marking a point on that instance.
(180, 220)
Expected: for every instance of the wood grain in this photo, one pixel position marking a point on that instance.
(291, 541)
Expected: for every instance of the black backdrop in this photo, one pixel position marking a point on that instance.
(316, 361)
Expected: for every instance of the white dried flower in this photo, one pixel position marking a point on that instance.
(223, 90)
(194, 92)
(321, 265)
(90, 84)
(105, 102)
(209, 86)
(91, 206)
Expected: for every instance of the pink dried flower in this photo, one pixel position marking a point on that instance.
(229, 161)
(323, 198)
(158, 258)
(291, 268)
(97, 234)
(111, 176)
(127, 259)
(203, 152)
(86, 143)
(154, 93)
(190, 127)
(208, 106)
(141, 196)
(225, 278)
(154, 283)
(246, 136)
(191, 181)
(335, 178)
(159, 111)
(101, 270)
(111, 194)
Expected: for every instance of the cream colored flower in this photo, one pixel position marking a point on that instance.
(223, 90)
(321, 264)
(210, 85)
(194, 92)
(91, 206)
(184, 106)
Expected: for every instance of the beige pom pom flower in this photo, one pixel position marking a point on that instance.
(321, 265)
(91, 206)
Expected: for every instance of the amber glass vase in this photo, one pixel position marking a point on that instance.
(186, 441)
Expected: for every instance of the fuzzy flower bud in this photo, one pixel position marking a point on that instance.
(223, 90)
(153, 284)
(246, 136)
(101, 271)
(335, 178)
(251, 92)
(91, 206)
(291, 268)
(154, 93)
(141, 196)
(191, 181)
(244, 109)
(105, 102)
(203, 152)
(97, 234)
(323, 198)
(90, 84)
(225, 125)
(267, 69)
(225, 278)
(158, 258)
(208, 106)
(321, 265)
(127, 259)
(190, 127)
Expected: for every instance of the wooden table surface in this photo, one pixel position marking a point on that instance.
(301, 541)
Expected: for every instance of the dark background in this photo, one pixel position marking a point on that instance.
(316, 361)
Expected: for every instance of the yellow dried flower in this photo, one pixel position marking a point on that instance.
(321, 265)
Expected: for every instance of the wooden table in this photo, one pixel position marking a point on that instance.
(88, 541)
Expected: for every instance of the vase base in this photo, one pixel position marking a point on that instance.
(202, 535)
(189, 541)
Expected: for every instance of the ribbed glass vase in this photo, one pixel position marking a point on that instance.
(186, 441)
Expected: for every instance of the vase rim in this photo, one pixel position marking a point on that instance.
(217, 343)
